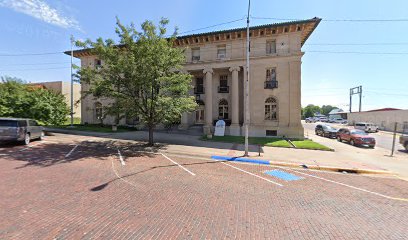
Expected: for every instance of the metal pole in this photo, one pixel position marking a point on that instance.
(393, 139)
(361, 95)
(72, 83)
(247, 86)
(350, 98)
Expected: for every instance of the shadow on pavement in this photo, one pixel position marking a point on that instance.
(49, 154)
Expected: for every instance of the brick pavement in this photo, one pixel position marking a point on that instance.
(47, 196)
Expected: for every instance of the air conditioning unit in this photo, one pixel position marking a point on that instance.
(196, 58)
(221, 55)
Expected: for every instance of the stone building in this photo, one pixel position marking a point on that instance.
(217, 62)
(65, 89)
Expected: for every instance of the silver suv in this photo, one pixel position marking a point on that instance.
(19, 129)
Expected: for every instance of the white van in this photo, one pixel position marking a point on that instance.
(367, 127)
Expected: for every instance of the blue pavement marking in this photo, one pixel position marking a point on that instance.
(238, 159)
(283, 175)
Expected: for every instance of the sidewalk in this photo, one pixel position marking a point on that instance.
(346, 158)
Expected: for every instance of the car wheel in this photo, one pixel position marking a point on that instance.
(406, 146)
(339, 138)
(352, 142)
(27, 139)
(42, 135)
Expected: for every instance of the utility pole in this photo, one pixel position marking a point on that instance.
(356, 90)
(247, 86)
(72, 82)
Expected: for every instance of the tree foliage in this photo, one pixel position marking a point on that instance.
(141, 75)
(310, 110)
(20, 100)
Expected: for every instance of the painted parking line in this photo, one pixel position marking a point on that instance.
(72, 150)
(242, 170)
(185, 169)
(121, 158)
(349, 186)
(30, 146)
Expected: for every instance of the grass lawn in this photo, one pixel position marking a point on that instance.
(309, 144)
(95, 128)
(270, 142)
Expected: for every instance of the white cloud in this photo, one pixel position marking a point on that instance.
(41, 10)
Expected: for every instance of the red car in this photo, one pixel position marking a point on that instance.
(355, 137)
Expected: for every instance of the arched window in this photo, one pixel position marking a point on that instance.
(271, 109)
(223, 109)
(98, 111)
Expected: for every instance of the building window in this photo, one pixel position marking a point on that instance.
(98, 63)
(221, 52)
(223, 88)
(195, 54)
(271, 109)
(199, 88)
(98, 111)
(271, 133)
(223, 109)
(271, 74)
(271, 47)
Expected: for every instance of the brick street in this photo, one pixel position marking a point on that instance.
(51, 191)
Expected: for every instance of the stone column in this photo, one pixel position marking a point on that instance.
(208, 100)
(234, 128)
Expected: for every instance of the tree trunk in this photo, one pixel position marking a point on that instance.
(151, 135)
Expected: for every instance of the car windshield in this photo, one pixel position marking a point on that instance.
(358, 132)
(8, 123)
(329, 128)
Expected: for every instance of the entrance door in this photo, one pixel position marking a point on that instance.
(200, 115)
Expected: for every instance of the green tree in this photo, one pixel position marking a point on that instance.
(310, 110)
(20, 100)
(141, 75)
(326, 109)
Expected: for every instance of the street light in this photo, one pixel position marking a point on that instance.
(247, 86)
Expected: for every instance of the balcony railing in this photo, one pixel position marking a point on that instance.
(270, 84)
(199, 90)
(223, 89)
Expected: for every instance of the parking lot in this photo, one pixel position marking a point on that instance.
(72, 187)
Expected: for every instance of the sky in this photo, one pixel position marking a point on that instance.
(373, 54)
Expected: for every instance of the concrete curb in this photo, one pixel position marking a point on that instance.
(304, 166)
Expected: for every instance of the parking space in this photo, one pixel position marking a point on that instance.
(89, 188)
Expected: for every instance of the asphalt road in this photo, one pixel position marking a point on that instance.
(383, 139)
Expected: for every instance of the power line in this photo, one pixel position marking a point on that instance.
(34, 69)
(337, 20)
(358, 52)
(28, 54)
(34, 64)
(216, 25)
(391, 94)
(356, 44)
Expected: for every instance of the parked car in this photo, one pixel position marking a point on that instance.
(323, 119)
(404, 141)
(355, 137)
(340, 121)
(17, 129)
(367, 127)
(310, 120)
(325, 131)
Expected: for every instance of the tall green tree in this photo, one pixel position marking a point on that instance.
(20, 100)
(141, 75)
(326, 109)
(310, 110)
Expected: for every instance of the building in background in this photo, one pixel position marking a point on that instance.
(337, 113)
(217, 62)
(384, 118)
(65, 89)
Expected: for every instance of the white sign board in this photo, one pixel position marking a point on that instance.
(219, 128)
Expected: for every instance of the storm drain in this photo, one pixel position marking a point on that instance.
(283, 175)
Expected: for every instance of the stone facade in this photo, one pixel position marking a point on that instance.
(217, 62)
(65, 89)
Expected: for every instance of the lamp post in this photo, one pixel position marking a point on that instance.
(247, 85)
(72, 83)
